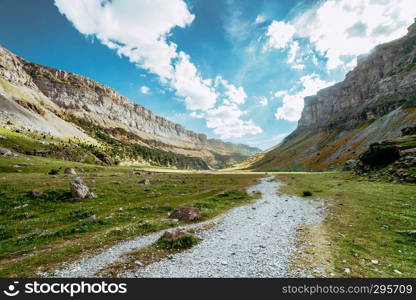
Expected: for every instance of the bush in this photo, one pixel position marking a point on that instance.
(307, 194)
(53, 172)
(380, 155)
(182, 242)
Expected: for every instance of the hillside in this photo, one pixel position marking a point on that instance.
(374, 102)
(80, 115)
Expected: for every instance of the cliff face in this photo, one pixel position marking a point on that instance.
(373, 103)
(48, 100)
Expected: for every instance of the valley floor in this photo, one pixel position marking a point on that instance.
(368, 229)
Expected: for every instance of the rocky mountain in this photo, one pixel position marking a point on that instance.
(374, 102)
(40, 99)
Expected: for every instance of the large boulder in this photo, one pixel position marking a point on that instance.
(409, 131)
(5, 152)
(349, 165)
(144, 181)
(170, 236)
(70, 171)
(80, 190)
(184, 213)
(380, 154)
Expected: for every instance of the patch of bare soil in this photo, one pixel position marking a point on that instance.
(314, 255)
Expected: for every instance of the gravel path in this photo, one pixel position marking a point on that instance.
(255, 240)
(251, 241)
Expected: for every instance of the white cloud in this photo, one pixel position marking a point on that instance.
(279, 35)
(226, 121)
(260, 19)
(232, 93)
(140, 30)
(136, 29)
(291, 109)
(340, 30)
(263, 101)
(198, 93)
(145, 90)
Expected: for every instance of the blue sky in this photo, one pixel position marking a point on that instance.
(232, 69)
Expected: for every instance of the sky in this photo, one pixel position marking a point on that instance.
(237, 70)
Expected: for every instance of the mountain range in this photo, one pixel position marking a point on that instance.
(83, 120)
(375, 101)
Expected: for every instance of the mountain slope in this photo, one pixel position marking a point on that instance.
(374, 102)
(35, 98)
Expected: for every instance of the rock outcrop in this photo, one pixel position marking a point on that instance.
(374, 102)
(48, 100)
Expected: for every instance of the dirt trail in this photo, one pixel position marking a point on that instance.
(255, 240)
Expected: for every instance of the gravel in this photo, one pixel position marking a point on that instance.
(255, 240)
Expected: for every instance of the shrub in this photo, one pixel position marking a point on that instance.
(307, 194)
(182, 242)
(53, 172)
(380, 155)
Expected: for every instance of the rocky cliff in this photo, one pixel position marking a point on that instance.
(374, 102)
(65, 105)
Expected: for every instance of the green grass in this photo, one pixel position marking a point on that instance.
(36, 233)
(183, 242)
(364, 222)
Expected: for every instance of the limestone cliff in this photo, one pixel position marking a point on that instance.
(374, 102)
(44, 99)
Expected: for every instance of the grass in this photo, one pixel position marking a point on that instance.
(365, 221)
(39, 232)
(183, 242)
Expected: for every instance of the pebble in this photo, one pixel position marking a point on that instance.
(237, 232)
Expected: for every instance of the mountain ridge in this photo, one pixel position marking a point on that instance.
(48, 100)
(373, 103)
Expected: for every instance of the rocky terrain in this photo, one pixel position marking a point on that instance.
(228, 248)
(40, 99)
(374, 102)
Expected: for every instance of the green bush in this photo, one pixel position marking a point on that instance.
(183, 242)
(53, 172)
(380, 155)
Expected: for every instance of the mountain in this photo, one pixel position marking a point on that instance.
(36, 100)
(374, 102)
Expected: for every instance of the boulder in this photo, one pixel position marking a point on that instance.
(37, 193)
(5, 152)
(70, 171)
(2, 137)
(409, 131)
(408, 152)
(135, 172)
(349, 165)
(170, 236)
(144, 181)
(80, 190)
(184, 213)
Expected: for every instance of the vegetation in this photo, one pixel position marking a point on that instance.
(182, 242)
(365, 221)
(40, 231)
(380, 155)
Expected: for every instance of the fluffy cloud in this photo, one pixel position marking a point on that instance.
(340, 30)
(198, 93)
(140, 30)
(232, 94)
(145, 90)
(279, 35)
(293, 100)
(263, 101)
(226, 121)
(136, 29)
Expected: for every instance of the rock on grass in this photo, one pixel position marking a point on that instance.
(80, 190)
